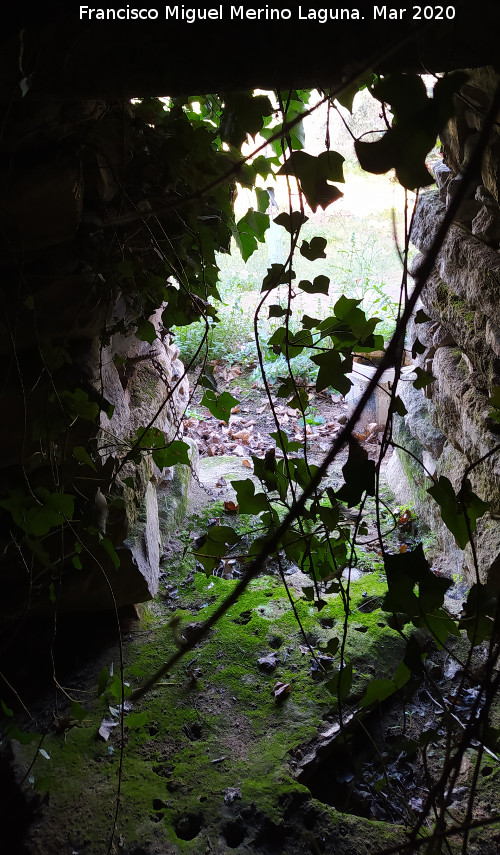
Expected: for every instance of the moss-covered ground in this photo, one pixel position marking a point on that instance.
(207, 760)
(206, 753)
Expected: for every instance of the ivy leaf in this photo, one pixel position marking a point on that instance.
(454, 508)
(183, 308)
(175, 452)
(21, 736)
(345, 306)
(478, 614)
(276, 311)
(408, 572)
(146, 332)
(286, 388)
(276, 275)
(291, 344)
(301, 471)
(313, 174)
(332, 371)
(331, 646)
(286, 445)
(359, 476)
(399, 407)
(251, 229)
(295, 136)
(417, 348)
(207, 379)
(329, 516)
(219, 538)
(249, 501)
(347, 95)
(421, 317)
(299, 401)
(262, 199)
(110, 550)
(83, 457)
(313, 249)
(417, 121)
(243, 114)
(263, 166)
(423, 378)
(79, 405)
(403, 572)
(319, 285)
(117, 688)
(150, 437)
(401, 148)
(265, 470)
(440, 625)
(291, 222)
(309, 323)
(378, 691)
(219, 405)
(406, 94)
(54, 509)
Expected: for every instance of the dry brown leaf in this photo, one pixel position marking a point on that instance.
(235, 409)
(243, 435)
(231, 507)
(246, 463)
(281, 690)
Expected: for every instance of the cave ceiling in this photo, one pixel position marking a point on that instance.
(62, 56)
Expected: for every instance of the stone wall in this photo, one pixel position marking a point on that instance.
(448, 426)
(78, 382)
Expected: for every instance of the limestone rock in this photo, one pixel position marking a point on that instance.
(429, 213)
(442, 175)
(173, 494)
(469, 206)
(418, 420)
(486, 225)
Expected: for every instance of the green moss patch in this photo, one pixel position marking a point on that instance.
(206, 754)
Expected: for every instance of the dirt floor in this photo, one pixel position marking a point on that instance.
(243, 746)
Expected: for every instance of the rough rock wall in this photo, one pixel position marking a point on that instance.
(448, 426)
(71, 354)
